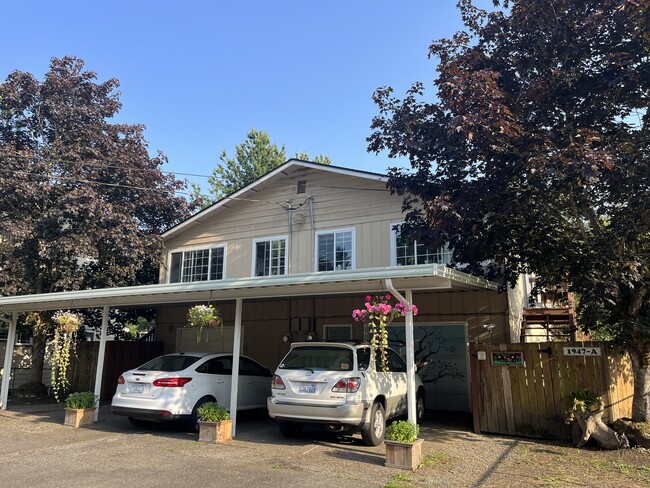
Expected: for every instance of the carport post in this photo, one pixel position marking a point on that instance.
(236, 346)
(100, 360)
(9, 355)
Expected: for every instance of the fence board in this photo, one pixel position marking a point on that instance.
(531, 399)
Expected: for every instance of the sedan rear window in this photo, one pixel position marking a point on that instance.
(319, 358)
(169, 363)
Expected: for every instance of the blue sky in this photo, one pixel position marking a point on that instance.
(201, 74)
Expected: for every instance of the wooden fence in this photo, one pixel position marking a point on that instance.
(522, 389)
(119, 357)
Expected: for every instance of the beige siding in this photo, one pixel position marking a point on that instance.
(339, 201)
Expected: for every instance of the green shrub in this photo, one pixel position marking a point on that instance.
(81, 399)
(580, 401)
(213, 412)
(402, 431)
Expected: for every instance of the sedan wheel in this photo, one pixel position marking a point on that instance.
(419, 409)
(373, 433)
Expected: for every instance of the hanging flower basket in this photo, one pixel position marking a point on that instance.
(63, 346)
(378, 314)
(201, 316)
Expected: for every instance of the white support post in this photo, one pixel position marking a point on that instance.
(236, 347)
(411, 394)
(9, 355)
(100, 360)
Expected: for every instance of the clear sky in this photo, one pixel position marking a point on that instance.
(201, 74)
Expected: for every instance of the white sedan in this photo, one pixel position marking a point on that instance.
(173, 386)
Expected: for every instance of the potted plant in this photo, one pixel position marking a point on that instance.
(215, 424)
(63, 346)
(201, 316)
(80, 409)
(403, 449)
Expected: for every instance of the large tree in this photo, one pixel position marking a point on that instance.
(254, 157)
(82, 204)
(534, 156)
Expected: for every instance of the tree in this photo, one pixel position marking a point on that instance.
(255, 157)
(535, 156)
(82, 204)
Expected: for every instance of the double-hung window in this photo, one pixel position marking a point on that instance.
(270, 256)
(335, 250)
(197, 265)
(409, 252)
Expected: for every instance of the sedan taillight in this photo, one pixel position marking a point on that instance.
(347, 385)
(172, 382)
(277, 383)
(120, 380)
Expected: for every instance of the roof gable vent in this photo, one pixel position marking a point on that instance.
(302, 186)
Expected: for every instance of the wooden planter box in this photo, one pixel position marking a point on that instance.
(76, 417)
(215, 432)
(404, 455)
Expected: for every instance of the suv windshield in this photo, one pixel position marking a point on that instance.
(169, 363)
(322, 358)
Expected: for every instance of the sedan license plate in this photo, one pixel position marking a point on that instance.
(307, 389)
(136, 388)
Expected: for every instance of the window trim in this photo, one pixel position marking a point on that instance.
(393, 246)
(195, 247)
(271, 238)
(352, 230)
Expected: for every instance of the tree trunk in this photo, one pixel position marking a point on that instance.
(35, 383)
(592, 425)
(641, 370)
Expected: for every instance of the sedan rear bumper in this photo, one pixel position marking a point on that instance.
(146, 414)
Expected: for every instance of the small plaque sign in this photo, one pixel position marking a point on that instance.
(481, 355)
(581, 351)
(508, 358)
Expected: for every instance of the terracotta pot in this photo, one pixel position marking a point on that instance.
(404, 455)
(215, 432)
(76, 417)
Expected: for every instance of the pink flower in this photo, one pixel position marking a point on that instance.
(368, 298)
(414, 309)
(388, 297)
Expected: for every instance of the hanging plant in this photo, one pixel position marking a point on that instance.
(201, 316)
(378, 314)
(63, 347)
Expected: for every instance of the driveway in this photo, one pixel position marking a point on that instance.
(39, 451)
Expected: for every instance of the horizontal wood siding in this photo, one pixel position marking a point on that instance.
(531, 399)
(339, 201)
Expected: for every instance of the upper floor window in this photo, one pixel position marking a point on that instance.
(408, 253)
(270, 256)
(197, 265)
(335, 250)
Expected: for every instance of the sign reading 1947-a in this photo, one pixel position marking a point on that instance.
(581, 351)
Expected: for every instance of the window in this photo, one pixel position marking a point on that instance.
(335, 250)
(407, 253)
(270, 257)
(197, 265)
(338, 332)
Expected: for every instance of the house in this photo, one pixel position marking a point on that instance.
(289, 256)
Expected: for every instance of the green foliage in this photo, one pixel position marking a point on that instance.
(532, 156)
(213, 412)
(201, 316)
(62, 347)
(402, 431)
(580, 401)
(82, 399)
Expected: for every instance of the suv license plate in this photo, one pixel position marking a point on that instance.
(308, 389)
(137, 388)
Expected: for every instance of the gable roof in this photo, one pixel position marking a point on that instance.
(199, 217)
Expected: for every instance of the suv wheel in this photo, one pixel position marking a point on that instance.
(290, 429)
(419, 408)
(373, 433)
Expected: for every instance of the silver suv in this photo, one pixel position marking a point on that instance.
(340, 385)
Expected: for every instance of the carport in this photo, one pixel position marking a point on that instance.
(392, 279)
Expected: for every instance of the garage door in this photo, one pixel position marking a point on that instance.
(446, 376)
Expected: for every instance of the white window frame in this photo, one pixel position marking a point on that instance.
(336, 326)
(269, 239)
(352, 230)
(393, 246)
(196, 247)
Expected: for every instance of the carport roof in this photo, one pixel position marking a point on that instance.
(423, 277)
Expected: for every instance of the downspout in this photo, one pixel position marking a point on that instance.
(410, 350)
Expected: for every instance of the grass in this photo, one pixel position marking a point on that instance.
(399, 480)
(438, 458)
